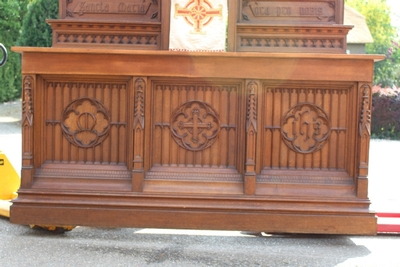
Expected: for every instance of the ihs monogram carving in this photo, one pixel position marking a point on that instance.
(85, 122)
(305, 128)
(139, 103)
(365, 120)
(27, 108)
(195, 125)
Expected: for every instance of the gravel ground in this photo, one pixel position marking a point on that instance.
(21, 246)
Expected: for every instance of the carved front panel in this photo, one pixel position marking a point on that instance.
(306, 127)
(196, 124)
(85, 122)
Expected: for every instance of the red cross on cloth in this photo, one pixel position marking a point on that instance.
(198, 25)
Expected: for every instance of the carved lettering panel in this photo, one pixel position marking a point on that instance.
(131, 10)
(291, 12)
(195, 124)
(306, 127)
(85, 122)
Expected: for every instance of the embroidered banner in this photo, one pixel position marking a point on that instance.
(198, 25)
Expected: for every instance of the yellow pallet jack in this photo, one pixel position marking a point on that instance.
(9, 184)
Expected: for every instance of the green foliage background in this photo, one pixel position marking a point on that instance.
(35, 31)
(11, 13)
(22, 23)
(386, 39)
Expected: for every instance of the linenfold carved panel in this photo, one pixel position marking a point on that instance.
(305, 128)
(85, 122)
(195, 124)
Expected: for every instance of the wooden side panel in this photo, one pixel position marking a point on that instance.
(295, 141)
(306, 134)
(195, 137)
(83, 140)
(182, 137)
(85, 122)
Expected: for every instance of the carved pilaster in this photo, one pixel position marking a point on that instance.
(364, 140)
(138, 136)
(27, 131)
(251, 137)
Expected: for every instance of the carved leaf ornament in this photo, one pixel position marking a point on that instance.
(305, 128)
(85, 122)
(195, 125)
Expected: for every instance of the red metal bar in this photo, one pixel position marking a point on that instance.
(388, 222)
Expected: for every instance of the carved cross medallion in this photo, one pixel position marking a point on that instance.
(198, 13)
(195, 125)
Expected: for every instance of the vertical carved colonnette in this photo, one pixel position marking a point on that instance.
(138, 136)
(27, 132)
(251, 138)
(363, 140)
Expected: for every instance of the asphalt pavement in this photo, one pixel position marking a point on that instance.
(21, 246)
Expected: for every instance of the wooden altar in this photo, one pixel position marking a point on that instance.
(272, 135)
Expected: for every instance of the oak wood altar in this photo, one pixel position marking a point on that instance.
(121, 135)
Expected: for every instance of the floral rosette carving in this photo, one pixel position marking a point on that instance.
(195, 125)
(305, 128)
(86, 122)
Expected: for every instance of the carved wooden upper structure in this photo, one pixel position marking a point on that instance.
(265, 26)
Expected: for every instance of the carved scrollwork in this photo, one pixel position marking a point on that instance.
(365, 119)
(195, 125)
(140, 86)
(252, 106)
(27, 105)
(305, 128)
(86, 122)
(68, 12)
